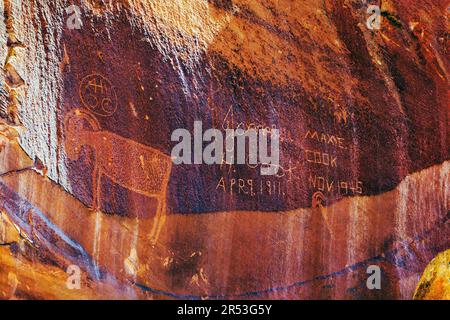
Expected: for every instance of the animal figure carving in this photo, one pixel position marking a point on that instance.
(131, 165)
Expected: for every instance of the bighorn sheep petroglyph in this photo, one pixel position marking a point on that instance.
(132, 165)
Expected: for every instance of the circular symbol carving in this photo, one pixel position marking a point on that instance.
(318, 200)
(98, 95)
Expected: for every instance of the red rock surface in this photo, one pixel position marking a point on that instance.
(374, 101)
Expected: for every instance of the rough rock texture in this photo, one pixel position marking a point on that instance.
(364, 172)
(435, 283)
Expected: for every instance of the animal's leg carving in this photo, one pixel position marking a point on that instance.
(153, 238)
(158, 221)
(96, 177)
(99, 191)
(162, 219)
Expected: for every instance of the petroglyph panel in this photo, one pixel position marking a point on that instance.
(362, 114)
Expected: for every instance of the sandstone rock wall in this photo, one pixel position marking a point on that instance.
(374, 103)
